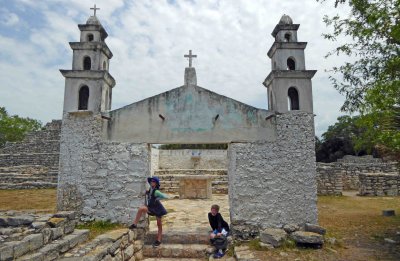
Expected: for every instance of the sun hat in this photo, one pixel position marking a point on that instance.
(155, 179)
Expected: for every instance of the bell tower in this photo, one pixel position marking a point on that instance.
(88, 86)
(289, 83)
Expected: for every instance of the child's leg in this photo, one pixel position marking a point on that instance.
(159, 226)
(142, 210)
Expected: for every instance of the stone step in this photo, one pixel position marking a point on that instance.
(57, 247)
(28, 185)
(173, 259)
(177, 237)
(176, 251)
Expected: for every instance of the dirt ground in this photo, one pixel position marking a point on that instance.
(360, 231)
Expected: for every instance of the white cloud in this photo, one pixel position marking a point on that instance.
(148, 40)
(7, 18)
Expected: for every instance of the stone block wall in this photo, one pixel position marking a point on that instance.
(379, 184)
(274, 183)
(344, 174)
(32, 163)
(101, 180)
(192, 159)
(329, 180)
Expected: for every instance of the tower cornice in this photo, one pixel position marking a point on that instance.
(92, 46)
(286, 45)
(280, 27)
(90, 74)
(295, 74)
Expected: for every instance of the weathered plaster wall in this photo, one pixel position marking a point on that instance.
(274, 183)
(191, 115)
(100, 180)
(154, 160)
(193, 159)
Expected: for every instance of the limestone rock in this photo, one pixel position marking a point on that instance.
(20, 220)
(315, 228)
(290, 228)
(56, 222)
(273, 236)
(70, 215)
(307, 238)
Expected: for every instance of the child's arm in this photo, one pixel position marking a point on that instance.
(160, 195)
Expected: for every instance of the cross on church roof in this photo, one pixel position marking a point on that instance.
(190, 56)
(94, 9)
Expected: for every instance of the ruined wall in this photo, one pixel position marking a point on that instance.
(379, 184)
(100, 180)
(193, 159)
(329, 180)
(273, 183)
(344, 174)
(33, 162)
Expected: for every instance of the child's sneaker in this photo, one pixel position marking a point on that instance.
(219, 254)
(133, 226)
(156, 243)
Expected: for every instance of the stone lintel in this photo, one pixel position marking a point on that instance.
(190, 76)
(90, 74)
(286, 45)
(295, 74)
(92, 46)
(280, 27)
(93, 27)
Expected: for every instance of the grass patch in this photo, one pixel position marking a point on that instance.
(39, 200)
(99, 227)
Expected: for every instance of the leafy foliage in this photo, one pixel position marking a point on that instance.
(14, 128)
(371, 83)
(348, 136)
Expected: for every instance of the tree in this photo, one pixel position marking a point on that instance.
(371, 83)
(14, 128)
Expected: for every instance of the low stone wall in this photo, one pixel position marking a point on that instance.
(193, 159)
(170, 179)
(344, 174)
(329, 180)
(372, 184)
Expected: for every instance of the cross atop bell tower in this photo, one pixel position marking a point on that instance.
(94, 9)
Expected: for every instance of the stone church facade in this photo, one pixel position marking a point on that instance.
(105, 155)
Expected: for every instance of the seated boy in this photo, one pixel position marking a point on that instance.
(220, 229)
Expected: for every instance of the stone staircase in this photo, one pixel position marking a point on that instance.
(170, 179)
(28, 177)
(33, 162)
(38, 237)
(178, 246)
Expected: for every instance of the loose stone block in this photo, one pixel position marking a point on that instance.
(21, 248)
(35, 241)
(129, 251)
(47, 235)
(315, 228)
(56, 222)
(290, 228)
(273, 236)
(302, 237)
(57, 232)
(38, 225)
(3, 221)
(51, 251)
(7, 251)
(32, 257)
(388, 213)
(69, 226)
(20, 220)
(70, 215)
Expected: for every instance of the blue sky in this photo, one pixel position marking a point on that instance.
(148, 40)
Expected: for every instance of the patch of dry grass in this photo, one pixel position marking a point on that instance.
(40, 200)
(357, 224)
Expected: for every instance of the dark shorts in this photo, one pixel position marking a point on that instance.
(157, 209)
